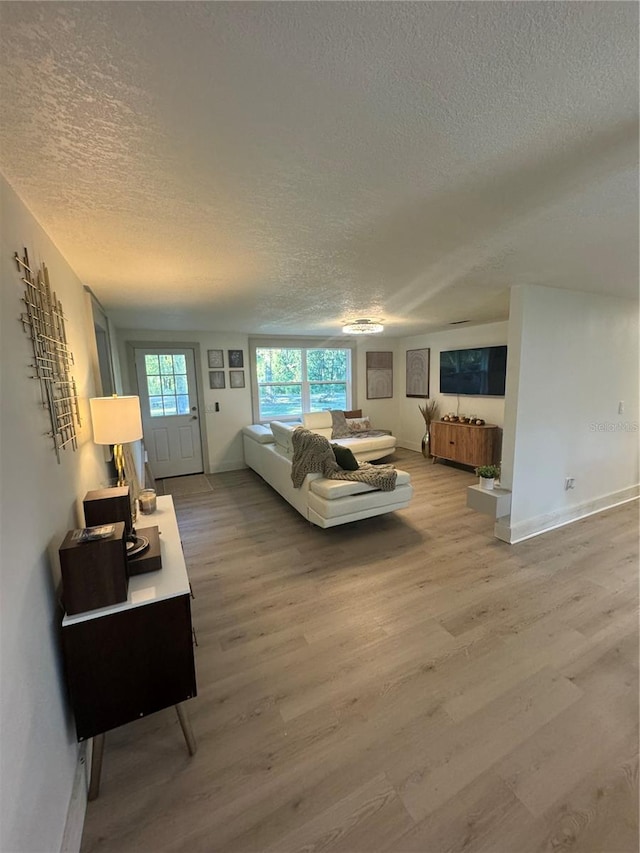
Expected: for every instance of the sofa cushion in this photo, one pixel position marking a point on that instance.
(334, 489)
(367, 443)
(345, 458)
(282, 434)
(318, 422)
(354, 413)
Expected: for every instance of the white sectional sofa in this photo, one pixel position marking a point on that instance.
(325, 502)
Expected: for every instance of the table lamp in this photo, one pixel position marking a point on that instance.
(117, 421)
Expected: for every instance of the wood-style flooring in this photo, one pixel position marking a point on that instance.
(404, 683)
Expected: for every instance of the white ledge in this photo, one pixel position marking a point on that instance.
(493, 502)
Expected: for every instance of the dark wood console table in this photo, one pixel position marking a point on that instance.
(135, 658)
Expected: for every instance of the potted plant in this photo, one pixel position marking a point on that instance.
(487, 474)
(429, 412)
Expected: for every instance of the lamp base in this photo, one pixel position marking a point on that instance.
(118, 459)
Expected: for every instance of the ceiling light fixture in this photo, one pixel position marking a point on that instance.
(363, 327)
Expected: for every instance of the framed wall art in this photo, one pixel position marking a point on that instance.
(379, 375)
(216, 357)
(417, 373)
(236, 358)
(236, 378)
(216, 379)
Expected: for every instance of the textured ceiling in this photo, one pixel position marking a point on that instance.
(284, 167)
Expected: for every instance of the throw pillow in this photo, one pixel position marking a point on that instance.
(339, 428)
(358, 424)
(345, 458)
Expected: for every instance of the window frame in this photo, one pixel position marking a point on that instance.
(303, 344)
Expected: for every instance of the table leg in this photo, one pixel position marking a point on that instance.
(96, 766)
(187, 731)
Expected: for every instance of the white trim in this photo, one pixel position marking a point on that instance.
(544, 523)
(74, 825)
(405, 444)
(229, 465)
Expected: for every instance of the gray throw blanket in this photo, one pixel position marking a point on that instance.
(312, 454)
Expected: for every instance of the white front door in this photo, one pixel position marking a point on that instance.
(170, 420)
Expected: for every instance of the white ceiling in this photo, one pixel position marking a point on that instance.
(283, 167)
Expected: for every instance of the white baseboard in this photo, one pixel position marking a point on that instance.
(237, 465)
(409, 445)
(507, 532)
(74, 825)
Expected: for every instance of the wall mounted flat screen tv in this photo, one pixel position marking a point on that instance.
(475, 372)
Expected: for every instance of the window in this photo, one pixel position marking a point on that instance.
(293, 380)
(167, 384)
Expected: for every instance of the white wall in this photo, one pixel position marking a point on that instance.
(39, 501)
(572, 358)
(410, 425)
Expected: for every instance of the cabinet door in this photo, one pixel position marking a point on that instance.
(129, 664)
(470, 444)
(440, 438)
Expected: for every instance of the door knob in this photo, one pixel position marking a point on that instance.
(194, 417)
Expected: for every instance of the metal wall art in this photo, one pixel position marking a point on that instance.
(43, 320)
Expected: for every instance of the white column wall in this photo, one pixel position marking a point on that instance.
(573, 357)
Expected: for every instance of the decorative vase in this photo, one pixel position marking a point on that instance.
(425, 445)
(486, 482)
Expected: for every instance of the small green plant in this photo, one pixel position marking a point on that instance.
(488, 472)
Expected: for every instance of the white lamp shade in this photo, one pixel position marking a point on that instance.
(116, 420)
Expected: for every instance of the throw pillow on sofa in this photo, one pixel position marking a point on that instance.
(345, 458)
(339, 426)
(358, 424)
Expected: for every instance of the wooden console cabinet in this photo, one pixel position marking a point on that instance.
(134, 658)
(465, 443)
